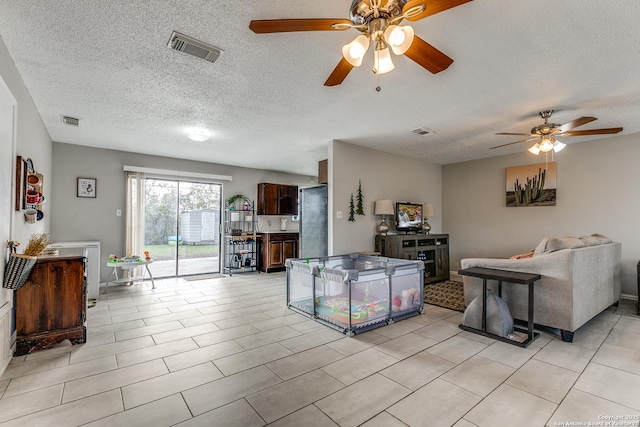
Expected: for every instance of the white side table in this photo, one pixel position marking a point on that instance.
(128, 266)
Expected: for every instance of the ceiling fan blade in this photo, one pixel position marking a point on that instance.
(428, 56)
(516, 142)
(339, 73)
(512, 133)
(289, 25)
(575, 123)
(432, 7)
(590, 132)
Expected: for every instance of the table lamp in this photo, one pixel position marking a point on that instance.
(384, 208)
(428, 211)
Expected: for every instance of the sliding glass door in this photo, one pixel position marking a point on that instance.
(182, 226)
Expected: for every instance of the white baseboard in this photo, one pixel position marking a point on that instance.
(631, 297)
(454, 276)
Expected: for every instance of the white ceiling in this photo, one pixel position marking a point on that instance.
(107, 63)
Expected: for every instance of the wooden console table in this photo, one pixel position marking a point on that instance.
(501, 276)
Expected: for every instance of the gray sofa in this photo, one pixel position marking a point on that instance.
(580, 278)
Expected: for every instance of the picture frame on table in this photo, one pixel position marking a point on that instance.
(86, 187)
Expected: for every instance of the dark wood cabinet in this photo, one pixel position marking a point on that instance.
(432, 249)
(51, 306)
(277, 199)
(276, 248)
(323, 172)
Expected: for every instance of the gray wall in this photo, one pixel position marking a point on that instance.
(596, 193)
(74, 218)
(32, 142)
(383, 176)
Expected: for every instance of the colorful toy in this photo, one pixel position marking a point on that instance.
(147, 257)
(396, 301)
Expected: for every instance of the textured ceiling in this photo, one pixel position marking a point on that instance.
(107, 63)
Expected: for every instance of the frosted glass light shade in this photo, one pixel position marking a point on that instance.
(558, 146)
(383, 207)
(382, 62)
(198, 135)
(535, 149)
(354, 52)
(546, 144)
(399, 38)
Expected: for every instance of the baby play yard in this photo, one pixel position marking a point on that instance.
(355, 293)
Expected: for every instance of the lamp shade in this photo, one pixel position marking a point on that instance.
(546, 144)
(399, 38)
(428, 210)
(382, 62)
(354, 52)
(558, 146)
(535, 149)
(383, 207)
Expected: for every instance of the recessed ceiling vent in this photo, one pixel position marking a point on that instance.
(194, 47)
(423, 131)
(71, 121)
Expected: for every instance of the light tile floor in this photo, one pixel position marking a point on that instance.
(227, 352)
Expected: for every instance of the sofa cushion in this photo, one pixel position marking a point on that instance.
(590, 240)
(603, 239)
(552, 244)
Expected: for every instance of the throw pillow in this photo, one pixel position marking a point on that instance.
(524, 255)
(552, 244)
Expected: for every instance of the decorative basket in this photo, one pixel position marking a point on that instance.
(17, 270)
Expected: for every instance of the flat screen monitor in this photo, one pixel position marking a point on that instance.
(408, 216)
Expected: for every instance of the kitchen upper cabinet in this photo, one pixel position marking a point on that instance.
(277, 199)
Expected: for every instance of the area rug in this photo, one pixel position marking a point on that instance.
(202, 277)
(446, 294)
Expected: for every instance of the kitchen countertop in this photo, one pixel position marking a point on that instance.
(277, 232)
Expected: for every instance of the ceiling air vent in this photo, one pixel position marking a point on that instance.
(423, 131)
(194, 47)
(71, 121)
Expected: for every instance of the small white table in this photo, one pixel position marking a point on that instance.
(128, 266)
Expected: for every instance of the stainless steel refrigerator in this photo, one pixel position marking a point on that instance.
(314, 231)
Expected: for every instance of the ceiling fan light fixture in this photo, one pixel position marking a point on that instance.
(399, 38)
(535, 149)
(354, 52)
(382, 62)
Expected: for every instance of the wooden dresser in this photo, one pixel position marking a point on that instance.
(51, 306)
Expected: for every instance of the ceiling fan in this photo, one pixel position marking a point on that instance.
(545, 133)
(378, 21)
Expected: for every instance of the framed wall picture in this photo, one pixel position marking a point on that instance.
(86, 187)
(21, 185)
(531, 185)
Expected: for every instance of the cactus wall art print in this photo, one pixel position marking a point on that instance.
(531, 185)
